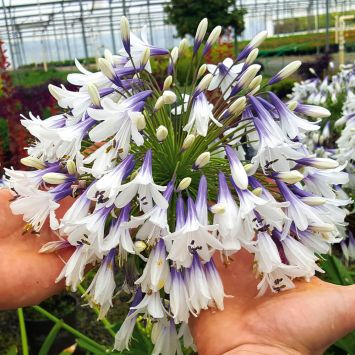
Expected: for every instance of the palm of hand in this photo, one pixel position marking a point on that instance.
(305, 320)
(26, 277)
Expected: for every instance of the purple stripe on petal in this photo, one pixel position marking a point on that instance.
(127, 45)
(169, 191)
(299, 192)
(223, 186)
(105, 91)
(180, 213)
(201, 199)
(154, 51)
(191, 211)
(147, 163)
(136, 300)
(277, 237)
(266, 104)
(61, 191)
(254, 183)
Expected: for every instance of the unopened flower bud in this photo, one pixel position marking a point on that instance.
(246, 78)
(314, 200)
(183, 46)
(285, 72)
(201, 71)
(188, 141)
(184, 183)
(94, 94)
(218, 208)
(139, 246)
(71, 167)
(255, 82)
(159, 103)
(323, 228)
(169, 97)
(341, 121)
(145, 57)
(108, 55)
(138, 119)
(238, 105)
(258, 39)
(70, 349)
(200, 34)
(290, 177)
(257, 191)
(203, 84)
(161, 133)
(248, 167)
(202, 160)
(313, 111)
(254, 91)
(252, 56)
(125, 34)
(255, 42)
(319, 163)
(212, 39)
(292, 105)
(33, 162)
(54, 178)
(174, 55)
(106, 68)
(167, 82)
(312, 71)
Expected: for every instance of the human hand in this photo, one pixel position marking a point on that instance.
(27, 277)
(304, 320)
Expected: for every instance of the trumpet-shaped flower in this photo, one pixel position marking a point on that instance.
(144, 186)
(191, 238)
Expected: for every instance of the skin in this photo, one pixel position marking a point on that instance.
(305, 320)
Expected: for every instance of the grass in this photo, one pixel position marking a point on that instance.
(33, 77)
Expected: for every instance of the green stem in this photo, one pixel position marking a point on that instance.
(24, 342)
(69, 328)
(104, 320)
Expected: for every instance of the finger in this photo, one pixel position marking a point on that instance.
(237, 276)
(9, 221)
(30, 277)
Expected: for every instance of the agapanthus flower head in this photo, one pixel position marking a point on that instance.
(165, 177)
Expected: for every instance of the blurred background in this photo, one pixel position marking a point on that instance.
(38, 43)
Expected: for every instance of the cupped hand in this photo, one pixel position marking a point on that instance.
(304, 320)
(27, 277)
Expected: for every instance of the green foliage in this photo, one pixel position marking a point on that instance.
(186, 15)
(293, 45)
(12, 350)
(337, 273)
(46, 346)
(59, 63)
(4, 134)
(34, 77)
(283, 87)
(306, 23)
